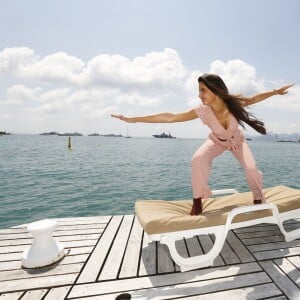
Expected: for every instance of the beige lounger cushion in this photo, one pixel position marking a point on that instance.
(159, 216)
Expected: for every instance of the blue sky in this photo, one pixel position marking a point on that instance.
(66, 65)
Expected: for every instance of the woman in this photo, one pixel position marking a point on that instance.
(222, 113)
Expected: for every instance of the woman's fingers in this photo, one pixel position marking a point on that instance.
(117, 116)
(120, 117)
(283, 90)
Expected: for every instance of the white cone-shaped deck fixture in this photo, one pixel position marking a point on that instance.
(45, 250)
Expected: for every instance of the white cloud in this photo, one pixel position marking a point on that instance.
(136, 99)
(239, 76)
(150, 83)
(18, 94)
(50, 108)
(13, 59)
(54, 95)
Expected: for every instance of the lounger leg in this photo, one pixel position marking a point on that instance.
(198, 261)
(288, 236)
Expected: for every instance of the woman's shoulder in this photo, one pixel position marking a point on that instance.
(202, 110)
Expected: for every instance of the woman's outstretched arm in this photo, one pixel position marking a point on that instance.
(160, 118)
(260, 97)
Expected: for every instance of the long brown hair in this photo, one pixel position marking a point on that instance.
(234, 103)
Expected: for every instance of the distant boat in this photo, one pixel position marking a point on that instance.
(127, 136)
(164, 136)
(248, 139)
(4, 133)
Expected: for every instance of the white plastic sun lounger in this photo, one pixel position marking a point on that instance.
(169, 221)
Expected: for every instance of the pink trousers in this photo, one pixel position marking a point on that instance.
(201, 166)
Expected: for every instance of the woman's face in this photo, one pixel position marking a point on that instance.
(205, 94)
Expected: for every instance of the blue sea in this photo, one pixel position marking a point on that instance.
(40, 178)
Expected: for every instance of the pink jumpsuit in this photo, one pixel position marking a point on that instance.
(219, 140)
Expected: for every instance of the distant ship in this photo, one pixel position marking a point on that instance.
(164, 136)
(127, 136)
(4, 133)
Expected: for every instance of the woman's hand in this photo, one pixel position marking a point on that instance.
(122, 118)
(283, 90)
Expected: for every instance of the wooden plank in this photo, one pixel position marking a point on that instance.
(42, 282)
(9, 236)
(84, 220)
(112, 265)
(16, 264)
(289, 269)
(274, 246)
(238, 247)
(193, 246)
(277, 253)
(62, 238)
(35, 295)
(257, 234)
(281, 280)
(11, 296)
(257, 292)
(58, 293)
(67, 244)
(207, 243)
(79, 250)
(194, 288)
(69, 238)
(250, 293)
(93, 226)
(37, 273)
(255, 228)
(13, 231)
(182, 248)
(73, 244)
(17, 242)
(132, 254)
(295, 260)
(112, 286)
(10, 265)
(10, 256)
(76, 230)
(165, 264)
(263, 240)
(228, 255)
(8, 249)
(96, 260)
(148, 257)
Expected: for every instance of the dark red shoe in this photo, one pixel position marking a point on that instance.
(197, 207)
(257, 201)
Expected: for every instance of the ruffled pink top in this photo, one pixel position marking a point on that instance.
(230, 138)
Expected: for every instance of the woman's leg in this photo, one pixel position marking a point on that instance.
(201, 166)
(253, 175)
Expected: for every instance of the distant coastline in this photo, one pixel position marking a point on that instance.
(61, 134)
(79, 134)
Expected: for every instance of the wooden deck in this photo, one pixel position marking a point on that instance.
(109, 255)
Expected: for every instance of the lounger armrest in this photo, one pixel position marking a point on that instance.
(251, 208)
(224, 192)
